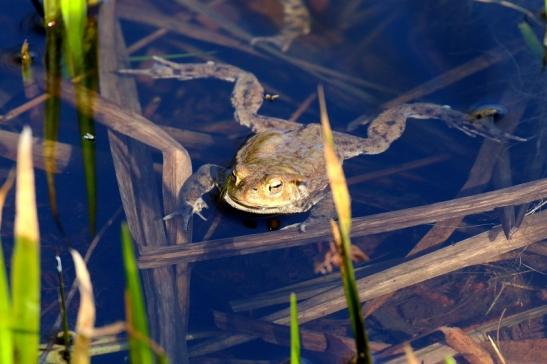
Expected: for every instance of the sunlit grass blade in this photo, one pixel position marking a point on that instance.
(86, 313)
(139, 350)
(335, 173)
(74, 17)
(341, 232)
(6, 340)
(25, 277)
(532, 40)
(295, 332)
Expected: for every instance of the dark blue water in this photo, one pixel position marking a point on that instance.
(393, 45)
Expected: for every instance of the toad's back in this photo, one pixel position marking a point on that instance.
(298, 151)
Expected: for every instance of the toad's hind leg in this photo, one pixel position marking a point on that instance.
(247, 96)
(198, 184)
(390, 125)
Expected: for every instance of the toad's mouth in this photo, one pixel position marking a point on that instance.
(255, 209)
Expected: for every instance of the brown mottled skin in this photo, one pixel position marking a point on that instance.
(296, 22)
(281, 168)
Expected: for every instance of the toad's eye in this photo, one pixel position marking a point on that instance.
(275, 185)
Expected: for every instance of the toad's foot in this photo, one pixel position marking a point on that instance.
(296, 22)
(478, 123)
(202, 181)
(321, 212)
(483, 122)
(188, 211)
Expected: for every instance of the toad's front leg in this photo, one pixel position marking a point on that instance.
(247, 96)
(198, 184)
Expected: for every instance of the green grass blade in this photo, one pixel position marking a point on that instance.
(87, 126)
(25, 277)
(74, 14)
(295, 332)
(52, 20)
(52, 115)
(531, 40)
(85, 79)
(341, 233)
(139, 350)
(6, 340)
(51, 12)
(85, 99)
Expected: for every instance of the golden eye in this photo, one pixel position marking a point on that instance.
(275, 185)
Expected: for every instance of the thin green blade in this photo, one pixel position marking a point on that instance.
(52, 115)
(139, 350)
(74, 14)
(6, 340)
(532, 40)
(295, 332)
(85, 78)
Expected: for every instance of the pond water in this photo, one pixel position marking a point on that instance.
(369, 56)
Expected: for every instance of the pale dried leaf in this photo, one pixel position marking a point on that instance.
(410, 355)
(86, 312)
(458, 340)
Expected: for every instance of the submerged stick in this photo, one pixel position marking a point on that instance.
(479, 249)
(389, 221)
(437, 352)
